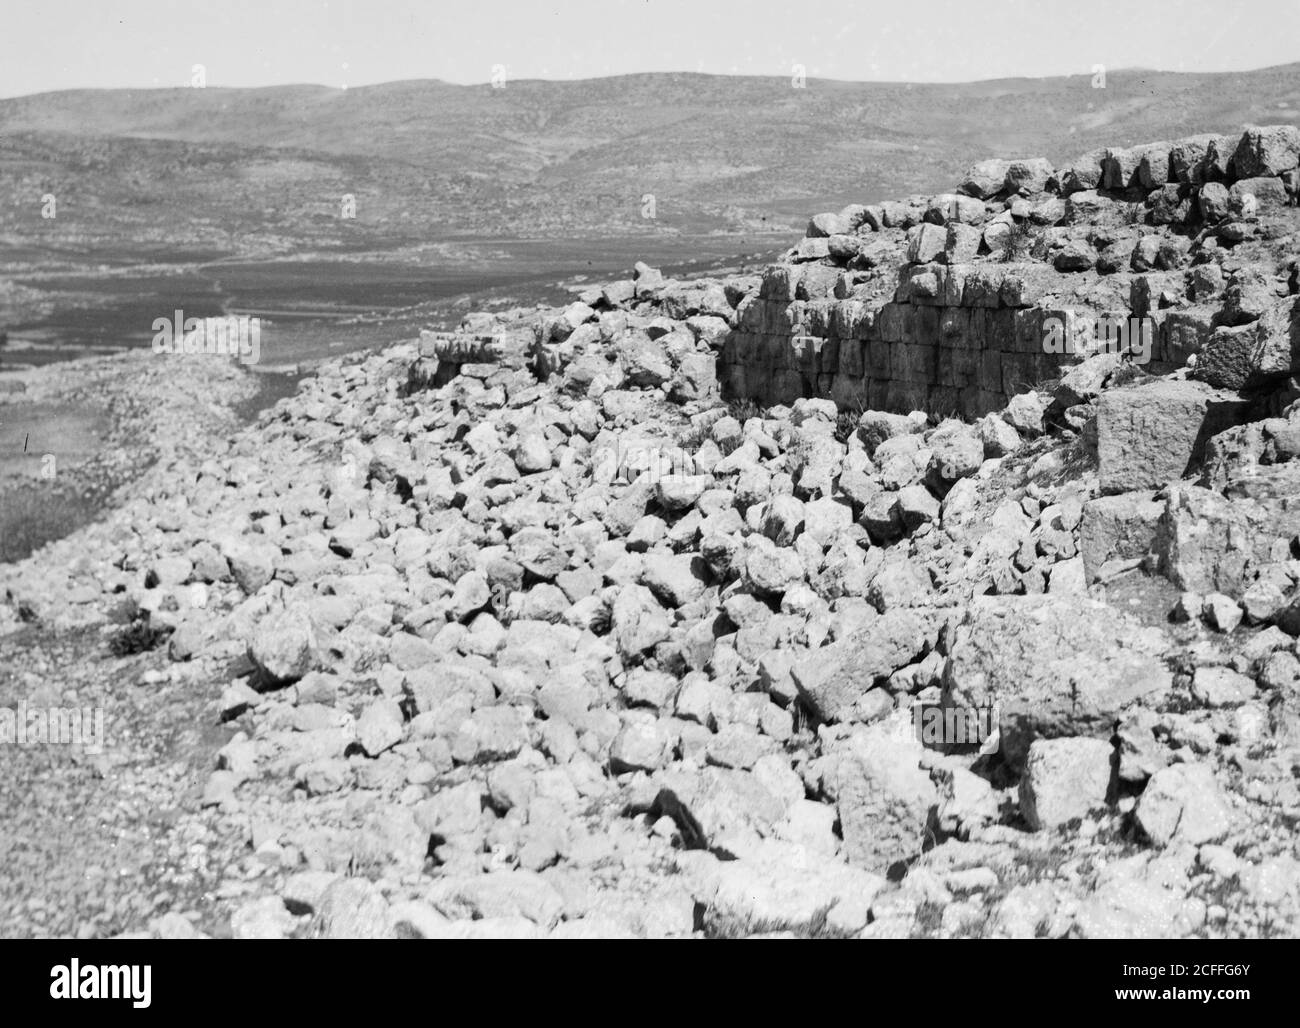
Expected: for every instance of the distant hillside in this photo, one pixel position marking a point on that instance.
(257, 171)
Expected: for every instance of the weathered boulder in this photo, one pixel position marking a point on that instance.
(1055, 666)
(1084, 381)
(780, 886)
(985, 179)
(1267, 150)
(1064, 779)
(1119, 527)
(1155, 433)
(926, 242)
(1243, 356)
(1028, 176)
(1209, 541)
(1200, 159)
(1183, 802)
(1083, 173)
(883, 795)
(827, 225)
(718, 806)
(285, 646)
(874, 427)
(831, 679)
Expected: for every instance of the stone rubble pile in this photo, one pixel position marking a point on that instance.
(527, 632)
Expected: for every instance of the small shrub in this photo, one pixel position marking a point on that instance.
(743, 409)
(1023, 242)
(693, 440)
(602, 620)
(846, 422)
(138, 637)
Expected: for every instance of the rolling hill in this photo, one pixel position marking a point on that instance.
(151, 174)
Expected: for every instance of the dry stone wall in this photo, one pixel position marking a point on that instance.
(943, 303)
(959, 338)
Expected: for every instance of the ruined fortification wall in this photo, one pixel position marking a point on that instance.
(954, 338)
(915, 304)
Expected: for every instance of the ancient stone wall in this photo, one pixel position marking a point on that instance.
(960, 338)
(929, 304)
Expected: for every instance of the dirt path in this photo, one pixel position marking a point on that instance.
(104, 422)
(96, 844)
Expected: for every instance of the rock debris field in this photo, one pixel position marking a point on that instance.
(664, 613)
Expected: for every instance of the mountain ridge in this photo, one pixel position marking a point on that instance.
(262, 171)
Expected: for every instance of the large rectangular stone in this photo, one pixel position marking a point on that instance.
(1000, 330)
(1028, 336)
(954, 327)
(852, 360)
(816, 282)
(1020, 373)
(1024, 285)
(924, 326)
(780, 282)
(1119, 167)
(818, 318)
(892, 322)
(1153, 167)
(954, 284)
(1246, 356)
(1155, 433)
(1183, 333)
(1187, 157)
(847, 319)
(901, 397)
(1056, 666)
(914, 361)
(990, 400)
(943, 399)
(990, 372)
(877, 394)
(878, 359)
(1211, 542)
(749, 314)
(1117, 528)
(920, 284)
(1267, 150)
(983, 286)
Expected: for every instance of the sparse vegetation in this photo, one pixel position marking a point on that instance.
(743, 408)
(846, 422)
(140, 636)
(736, 928)
(33, 513)
(1023, 242)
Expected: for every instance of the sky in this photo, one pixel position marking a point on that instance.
(68, 44)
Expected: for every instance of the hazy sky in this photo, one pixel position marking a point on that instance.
(62, 44)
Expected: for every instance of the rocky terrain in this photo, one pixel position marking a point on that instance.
(626, 618)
